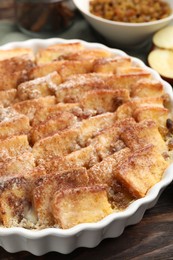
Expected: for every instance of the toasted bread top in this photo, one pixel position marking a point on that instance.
(83, 133)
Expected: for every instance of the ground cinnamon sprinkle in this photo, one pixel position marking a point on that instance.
(133, 11)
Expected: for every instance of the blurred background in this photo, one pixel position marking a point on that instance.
(7, 10)
(48, 13)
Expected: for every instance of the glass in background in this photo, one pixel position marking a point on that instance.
(44, 17)
(7, 10)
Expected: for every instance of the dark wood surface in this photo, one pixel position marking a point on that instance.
(152, 238)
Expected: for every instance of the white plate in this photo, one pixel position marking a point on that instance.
(39, 242)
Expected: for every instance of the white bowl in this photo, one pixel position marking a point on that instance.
(39, 242)
(121, 34)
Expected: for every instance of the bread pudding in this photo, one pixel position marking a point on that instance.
(83, 134)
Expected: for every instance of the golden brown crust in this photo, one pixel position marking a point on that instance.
(104, 100)
(30, 107)
(69, 140)
(71, 207)
(57, 51)
(13, 123)
(64, 68)
(20, 165)
(46, 186)
(53, 125)
(14, 201)
(83, 133)
(146, 88)
(17, 52)
(7, 97)
(40, 87)
(111, 65)
(14, 146)
(141, 170)
(146, 132)
(13, 71)
(47, 112)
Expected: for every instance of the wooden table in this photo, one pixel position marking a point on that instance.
(152, 238)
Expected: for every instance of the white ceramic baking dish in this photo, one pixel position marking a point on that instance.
(39, 242)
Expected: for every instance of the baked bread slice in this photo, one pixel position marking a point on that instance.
(7, 97)
(146, 132)
(111, 65)
(156, 113)
(14, 201)
(71, 207)
(141, 170)
(53, 125)
(13, 123)
(41, 87)
(14, 71)
(147, 88)
(57, 51)
(46, 186)
(19, 165)
(17, 52)
(13, 146)
(47, 112)
(65, 68)
(30, 107)
(72, 139)
(85, 157)
(75, 86)
(103, 101)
